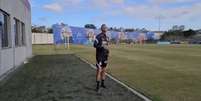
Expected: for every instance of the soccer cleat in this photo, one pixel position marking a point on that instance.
(103, 86)
(97, 89)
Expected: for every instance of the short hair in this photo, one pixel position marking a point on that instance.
(103, 25)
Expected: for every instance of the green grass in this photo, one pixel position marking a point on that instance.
(165, 73)
(59, 78)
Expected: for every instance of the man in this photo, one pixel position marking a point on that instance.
(101, 44)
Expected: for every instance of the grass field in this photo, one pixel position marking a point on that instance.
(165, 73)
(59, 78)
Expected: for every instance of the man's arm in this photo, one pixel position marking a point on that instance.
(97, 43)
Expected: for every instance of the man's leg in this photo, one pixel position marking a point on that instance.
(98, 74)
(103, 76)
(103, 73)
(98, 77)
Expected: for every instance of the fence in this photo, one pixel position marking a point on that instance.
(42, 38)
(86, 36)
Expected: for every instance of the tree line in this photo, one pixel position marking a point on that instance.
(179, 33)
(41, 29)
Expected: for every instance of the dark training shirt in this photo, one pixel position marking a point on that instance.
(101, 44)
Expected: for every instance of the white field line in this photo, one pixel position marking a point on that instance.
(121, 83)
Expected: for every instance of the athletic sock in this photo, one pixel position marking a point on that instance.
(103, 84)
(97, 85)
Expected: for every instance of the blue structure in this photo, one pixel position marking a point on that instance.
(133, 35)
(57, 31)
(81, 35)
(150, 35)
(114, 35)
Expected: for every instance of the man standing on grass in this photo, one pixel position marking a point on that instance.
(101, 44)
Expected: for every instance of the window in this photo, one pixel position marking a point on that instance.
(23, 33)
(4, 33)
(19, 30)
(16, 31)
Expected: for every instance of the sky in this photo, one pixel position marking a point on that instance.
(118, 13)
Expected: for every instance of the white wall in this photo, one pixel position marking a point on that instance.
(14, 56)
(42, 38)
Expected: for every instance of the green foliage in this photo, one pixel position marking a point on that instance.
(90, 26)
(41, 29)
(129, 30)
(189, 33)
(178, 35)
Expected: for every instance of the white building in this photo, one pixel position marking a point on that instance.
(15, 34)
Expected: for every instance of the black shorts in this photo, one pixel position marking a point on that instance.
(101, 61)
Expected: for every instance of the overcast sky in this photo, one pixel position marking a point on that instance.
(119, 13)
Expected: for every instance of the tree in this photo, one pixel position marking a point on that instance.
(178, 34)
(110, 29)
(182, 28)
(178, 28)
(144, 30)
(129, 30)
(189, 33)
(90, 26)
(39, 29)
(49, 30)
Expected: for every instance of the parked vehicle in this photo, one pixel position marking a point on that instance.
(195, 42)
(175, 42)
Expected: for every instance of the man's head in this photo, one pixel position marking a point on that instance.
(104, 28)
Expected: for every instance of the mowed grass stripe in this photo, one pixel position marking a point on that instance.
(165, 61)
(168, 60)
(167, 73)
(158, 73)
(169, 50)
(154, 79)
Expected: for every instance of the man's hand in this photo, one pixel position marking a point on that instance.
(106, 47)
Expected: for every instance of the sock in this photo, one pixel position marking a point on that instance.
(98, 84)
(102, 82)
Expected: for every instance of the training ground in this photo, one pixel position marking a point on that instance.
(162, 73)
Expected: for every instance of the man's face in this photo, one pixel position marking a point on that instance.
(104, 29)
